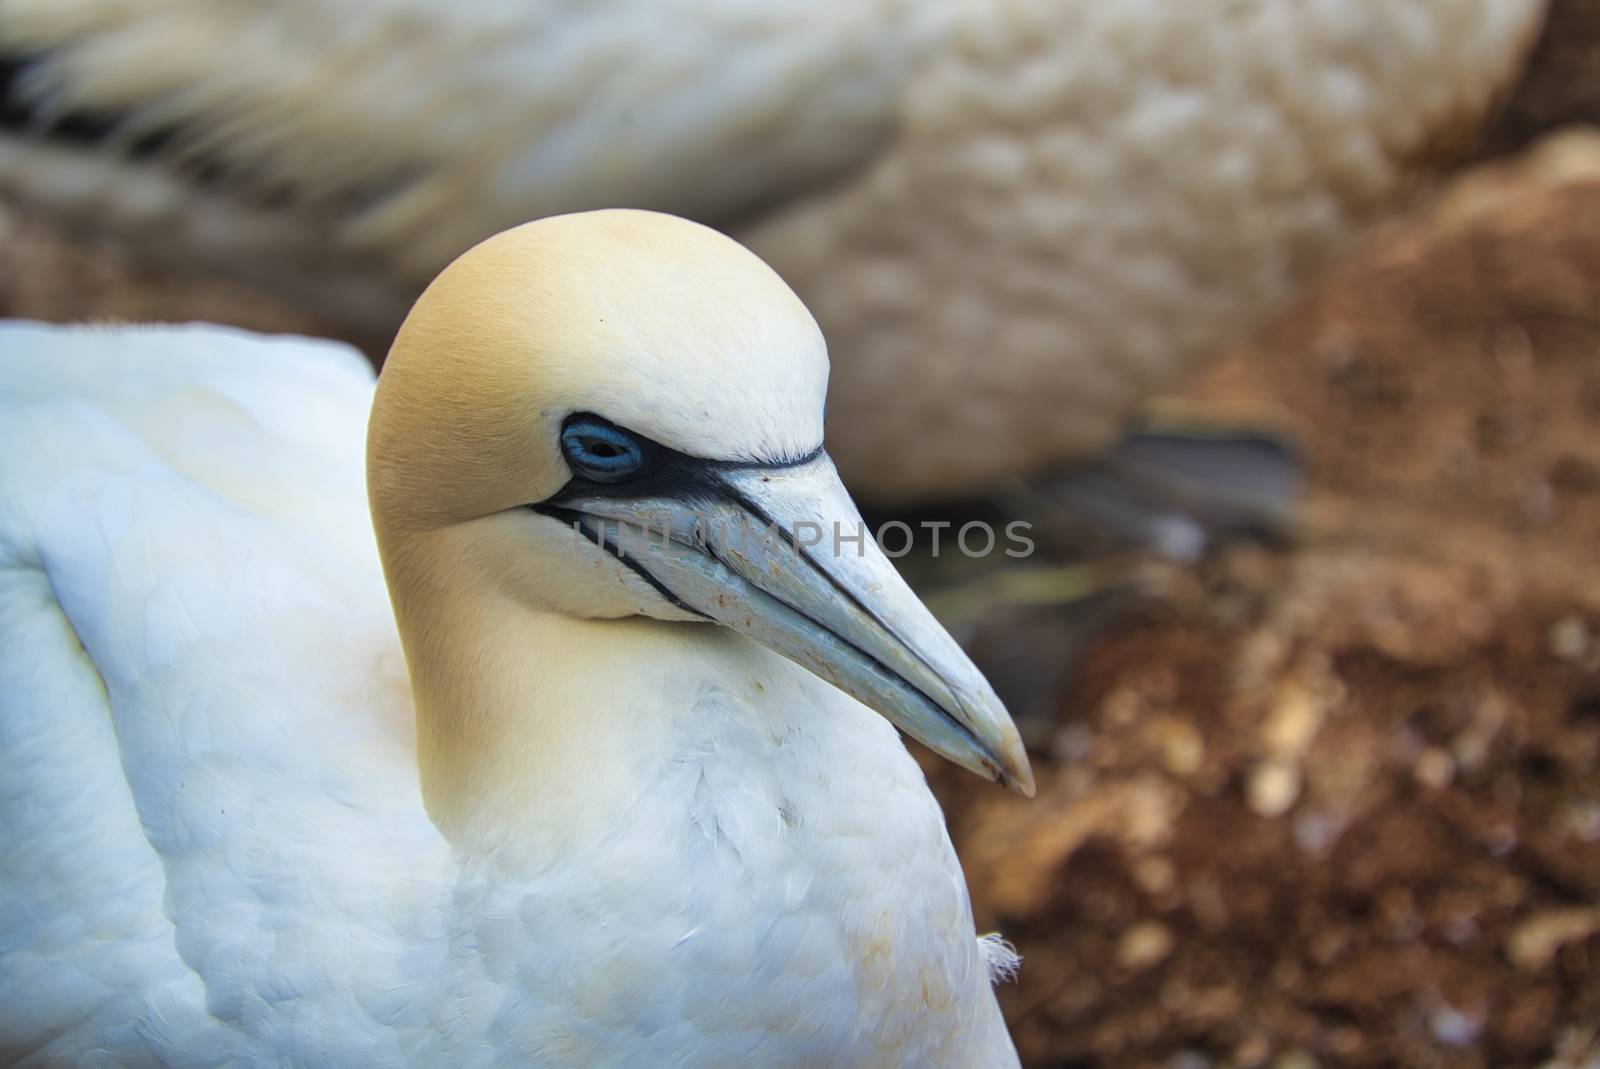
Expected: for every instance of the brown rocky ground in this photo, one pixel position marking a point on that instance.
(1340, 805)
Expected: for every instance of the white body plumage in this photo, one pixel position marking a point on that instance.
(216, 850)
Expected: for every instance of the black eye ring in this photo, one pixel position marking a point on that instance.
(600, 451)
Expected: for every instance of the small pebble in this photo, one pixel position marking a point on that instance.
(1583, 820)
(1536, 942)
(1155, 875)
(1435, 768)
(1295, 1059)
(1145, 944)
(1183, 751)
(1273, 788)
(1452, 1026)
(1569, 638)
(1294, 722)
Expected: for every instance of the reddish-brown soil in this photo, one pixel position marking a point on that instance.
(1340, 805)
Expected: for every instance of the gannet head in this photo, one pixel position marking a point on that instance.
(624, 409)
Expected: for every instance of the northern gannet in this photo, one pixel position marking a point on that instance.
(614, 833)
(1014, 219)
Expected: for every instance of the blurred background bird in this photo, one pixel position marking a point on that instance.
(1016, 221)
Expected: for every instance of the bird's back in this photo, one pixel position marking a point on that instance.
(203, 719)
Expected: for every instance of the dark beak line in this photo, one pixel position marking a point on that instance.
(755, 509)
(581, 521)
(990, 759)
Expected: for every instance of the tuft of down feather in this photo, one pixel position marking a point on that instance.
(1001, 957)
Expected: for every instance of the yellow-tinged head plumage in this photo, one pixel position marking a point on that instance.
(661, 325)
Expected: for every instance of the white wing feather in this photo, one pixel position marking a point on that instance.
(203, 713)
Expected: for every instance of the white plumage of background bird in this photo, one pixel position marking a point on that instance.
(1016, 219)
(618, 833)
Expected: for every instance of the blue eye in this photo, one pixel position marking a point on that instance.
(601, 452)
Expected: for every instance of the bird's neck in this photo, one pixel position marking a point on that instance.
(535, 730)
